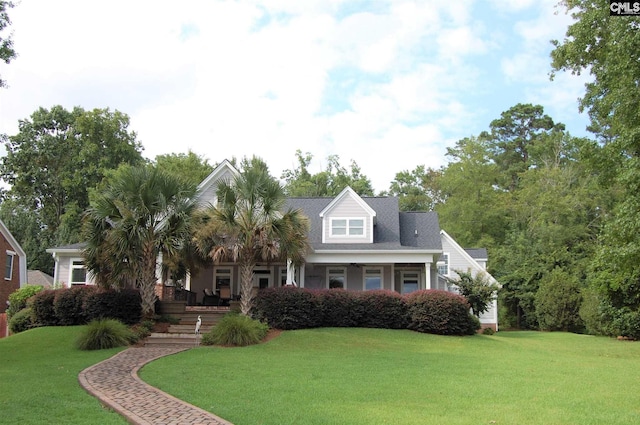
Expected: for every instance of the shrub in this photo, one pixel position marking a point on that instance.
(21, 321)
(166, 318)
(142, 330)
(340, 308)
(106, 333)
(440, 312)
(591, 312)
(557, 302)
(236, 329)
(69, 304)
(124, 305)
(288, 308)
(626, 323)
(18, 298)
(42, 306)
(488, 331)
(383, 309)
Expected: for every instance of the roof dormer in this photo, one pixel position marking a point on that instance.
(347, 219)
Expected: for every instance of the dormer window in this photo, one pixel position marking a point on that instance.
(347, 226)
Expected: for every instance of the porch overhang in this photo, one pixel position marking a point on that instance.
(378, 256)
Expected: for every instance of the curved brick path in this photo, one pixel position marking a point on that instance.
(116, 384)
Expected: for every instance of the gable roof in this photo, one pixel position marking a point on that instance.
(472, 262)
(22, 256)
(222, 168)
(347, 191)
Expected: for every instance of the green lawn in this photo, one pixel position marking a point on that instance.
(372, 376)
(39, 380)
(347, 376)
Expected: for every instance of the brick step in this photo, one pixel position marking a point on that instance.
(189, 328)
(166, 339)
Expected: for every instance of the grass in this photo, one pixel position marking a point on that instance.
(365, 376)
(39, 379)
(347, 376)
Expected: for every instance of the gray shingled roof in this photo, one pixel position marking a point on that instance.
(36, 277)
(393, 230)
(477, 253)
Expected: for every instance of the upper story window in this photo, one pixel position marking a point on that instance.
(78, 273)
(347, 226)
(8, 272)
(443, 264)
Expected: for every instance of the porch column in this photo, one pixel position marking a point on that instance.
(187, 281)
(302, 267)
(290, 273)
(427, 277)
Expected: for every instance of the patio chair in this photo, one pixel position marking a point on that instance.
(209, 297)
(224, 295)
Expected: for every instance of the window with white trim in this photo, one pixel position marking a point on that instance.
(372, 279)
(337, 278)
(222, 277)
(410, 281)
(443, 264)
(283, 276)
(8, 272)
(347, 227)
(78, 272)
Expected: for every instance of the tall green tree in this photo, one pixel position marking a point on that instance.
(514, 135)
(329, 182)
(418, 190)
(474, 212)
(56, 157)
(7, 52)
(608, 48)
(141, 213)
(250, 224)
(190, 166)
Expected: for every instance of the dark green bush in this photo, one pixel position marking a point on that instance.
(123, 305)
(288, 308)
(441, 313)
(69, 304)
(383, 309)
(558, 301)
(340, 308)
(142, 330)
(105, 333)
(626, 323)
(21, 321)
(18, 298)
(237, 330)
(42, 305)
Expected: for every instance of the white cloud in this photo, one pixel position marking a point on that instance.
(387, 84)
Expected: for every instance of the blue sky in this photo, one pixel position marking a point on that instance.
(388, 84)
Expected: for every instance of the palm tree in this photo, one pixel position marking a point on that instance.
(141, 213)
(249, 225)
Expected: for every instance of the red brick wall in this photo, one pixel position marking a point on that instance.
(7, 286)
(3, 325)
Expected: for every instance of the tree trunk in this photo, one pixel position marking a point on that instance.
(147, 282)
(246, 287)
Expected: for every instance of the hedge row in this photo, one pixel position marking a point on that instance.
(429, 311)
(81, 304)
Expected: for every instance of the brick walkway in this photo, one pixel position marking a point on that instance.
(116, 384)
